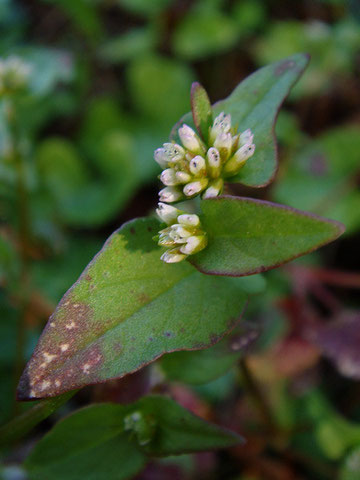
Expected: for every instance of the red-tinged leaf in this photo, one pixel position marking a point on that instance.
(247, 236)
(127, 309)
(201, 110)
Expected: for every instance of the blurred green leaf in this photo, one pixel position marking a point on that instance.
(128, 46)
(201, 110)
(159, 88)
(204, 32)
(126, 310)
(350, 469)
(322, 177)
(249, 15)
(247, 236)
(144, 7)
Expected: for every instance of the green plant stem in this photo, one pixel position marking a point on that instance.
(24, 423)
(256, 394)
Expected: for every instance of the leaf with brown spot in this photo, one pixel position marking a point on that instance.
(175, 306)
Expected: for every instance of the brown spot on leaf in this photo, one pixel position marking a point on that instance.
(283, 67)
(144, 298)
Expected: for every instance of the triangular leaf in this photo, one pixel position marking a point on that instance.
(248, 236)
(127, 309)
(254, 104)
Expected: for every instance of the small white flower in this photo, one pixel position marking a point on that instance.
(189, 219)
(189, 139)
(179, 233)
(165, 240)
(196, 187)
(170, 194)
(223, 144)
(239, 159)
(246, 137)
(161, 157)
(214, 162)
(168, 177)
(183, 177)
(222, 124)
(197, 165)
(167, 213)
(193, 245)
(214, 189)
(172, 256)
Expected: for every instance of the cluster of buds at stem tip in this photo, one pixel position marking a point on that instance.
(14, 75)
(195, 168)
(183, 235)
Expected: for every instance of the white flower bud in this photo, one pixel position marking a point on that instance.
(173, 256)
(183, 177)
(214, 162)
(179, 233)
(246, 137)
(174, 151)
(189, 139)
(197, 165)
(161, 157)
(168, 177)
(166, 241)
(239, 159)
(194, 244)
(223, 143)
(170, 194)
(222, 124)
(167, 213)
(196, 187)
(214, 189)
(191, 220)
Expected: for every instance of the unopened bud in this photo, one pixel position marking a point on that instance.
(198, 166)
(189, 139)
(214, 189)
(239, 159)
(183, 177)
(246, 137)
(172, 256)
(222, 124)
(189, 219)
(193, 188)
(170, 194)
(223, 143)
(194, 244)
(167, 213)
(214, 162)
(168, 177)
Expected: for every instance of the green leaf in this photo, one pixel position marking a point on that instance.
(254, 104)
(109, 441)
(204, 32)
(204, 366)
(159, 88)
(350, 470)
(179, 431)
(144, 7)
(201, 109)
(249, 236)
(89, 443)
(126, 310)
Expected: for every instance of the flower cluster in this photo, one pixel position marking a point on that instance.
(14, 75)
(182, 236)
(194, 168)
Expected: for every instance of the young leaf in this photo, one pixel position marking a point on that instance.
(127, 309)
(179, 431)
(247, 236)
(254, 104)
(109, 441)
(90, 444)
(201, 109)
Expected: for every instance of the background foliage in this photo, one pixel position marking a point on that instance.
(108, 81)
